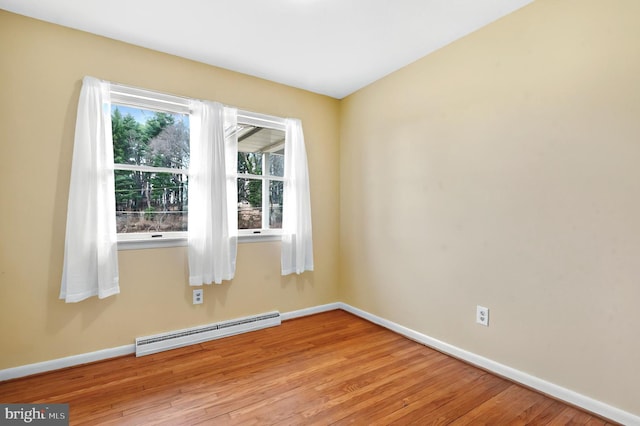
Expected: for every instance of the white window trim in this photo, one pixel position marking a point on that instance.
(262, 120)
(263, 235)
(179, 239)
(268, 122)
(157, 101)
(149, 240)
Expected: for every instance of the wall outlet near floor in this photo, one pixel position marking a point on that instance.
(197, 296)
(482, 315)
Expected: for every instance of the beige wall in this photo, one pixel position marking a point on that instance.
(503, 170)
(41, 68)
(500, 170)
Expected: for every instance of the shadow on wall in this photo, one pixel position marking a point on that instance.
(299, 281)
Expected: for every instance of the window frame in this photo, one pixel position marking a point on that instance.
(266, 122)
(162, 102)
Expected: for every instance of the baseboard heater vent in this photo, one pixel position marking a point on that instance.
(176, 339)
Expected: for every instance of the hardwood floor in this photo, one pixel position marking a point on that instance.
(330, 368)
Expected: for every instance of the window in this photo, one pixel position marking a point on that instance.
(151, 160)
(260, 183)
(260, 178)
(151, 167)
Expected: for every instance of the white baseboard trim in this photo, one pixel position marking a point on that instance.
(311, 311)
(553, 390)
(558, 392)
(70, 361)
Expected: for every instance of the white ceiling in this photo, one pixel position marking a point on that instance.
(331, 47)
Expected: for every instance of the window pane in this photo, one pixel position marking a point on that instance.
(150, 138)
(250, 162)
(275, 204)
(249, 204)
(150, 202)
(276, 164)
(260, 153)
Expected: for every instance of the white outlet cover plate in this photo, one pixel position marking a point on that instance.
(197, 297)
(482, 315)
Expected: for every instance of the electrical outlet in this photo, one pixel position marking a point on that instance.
(197, 296)
(482, 315)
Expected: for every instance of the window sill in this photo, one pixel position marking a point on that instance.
(258, 238)
(144, 243)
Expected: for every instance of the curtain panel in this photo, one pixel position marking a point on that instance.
(212, 235)
(297, 242)
(90, 265)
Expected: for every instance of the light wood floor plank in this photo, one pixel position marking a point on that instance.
(327, 369)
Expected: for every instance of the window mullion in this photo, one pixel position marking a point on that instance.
(149, 169)
(250, 176)
(265, 192)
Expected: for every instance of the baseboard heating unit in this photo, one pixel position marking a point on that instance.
(189, 336)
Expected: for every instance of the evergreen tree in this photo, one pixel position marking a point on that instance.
(251, 189)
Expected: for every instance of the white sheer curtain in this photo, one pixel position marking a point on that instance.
(91, 249)
(297, 244)
(212, 216)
